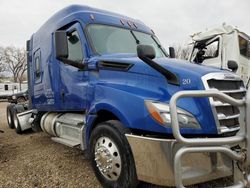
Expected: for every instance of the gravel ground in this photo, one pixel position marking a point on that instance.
(34, 160)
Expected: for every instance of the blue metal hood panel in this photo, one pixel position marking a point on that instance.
(143, 82)
(183, 69)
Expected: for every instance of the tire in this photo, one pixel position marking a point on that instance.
(21, 100)
(17, 109)
(110, 151)
(9, 112)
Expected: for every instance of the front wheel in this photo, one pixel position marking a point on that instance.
(111, 156)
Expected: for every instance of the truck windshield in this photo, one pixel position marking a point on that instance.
(109, 39)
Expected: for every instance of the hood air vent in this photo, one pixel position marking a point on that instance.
(114, 65)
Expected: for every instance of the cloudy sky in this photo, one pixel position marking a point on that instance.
(173, 21)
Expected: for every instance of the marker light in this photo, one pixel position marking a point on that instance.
(135, 25)
(92, 17)
(154, 112)
(129, 24)
(122, 22)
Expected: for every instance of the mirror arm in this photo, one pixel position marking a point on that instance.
(73, 63)
(171, 77)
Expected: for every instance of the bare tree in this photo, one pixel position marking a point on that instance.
(2, 62)
(15, 59)
(182, 52)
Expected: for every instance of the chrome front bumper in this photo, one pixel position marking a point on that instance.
(154, 160)
(185, 161)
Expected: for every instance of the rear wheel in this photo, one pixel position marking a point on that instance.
(16, 123)
(9, 113)
(17, 109)
(111, 156)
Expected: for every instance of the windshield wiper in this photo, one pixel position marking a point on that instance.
(159, 46)
(136, 39)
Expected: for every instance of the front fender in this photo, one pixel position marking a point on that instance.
(92, 115)
(108, 106)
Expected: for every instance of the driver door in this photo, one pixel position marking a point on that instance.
(73, 82)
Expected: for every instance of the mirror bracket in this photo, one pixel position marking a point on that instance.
(146, 53)
(76, 64)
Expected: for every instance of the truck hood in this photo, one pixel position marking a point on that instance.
(179, 67)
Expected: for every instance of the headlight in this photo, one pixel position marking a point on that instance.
(161, 113)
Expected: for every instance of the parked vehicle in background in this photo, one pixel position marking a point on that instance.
(225, 47)
(19, 97)
(9, 88)
(102, 82)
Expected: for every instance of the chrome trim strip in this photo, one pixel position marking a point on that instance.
(219, 103)
(151, 138)
(225, 129)
(241, 90)
(222, 116)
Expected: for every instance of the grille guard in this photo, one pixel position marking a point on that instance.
(192, 145)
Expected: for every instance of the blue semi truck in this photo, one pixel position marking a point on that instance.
(102, 82)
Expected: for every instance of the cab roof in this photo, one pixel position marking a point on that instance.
(87, 15)
(225, 29)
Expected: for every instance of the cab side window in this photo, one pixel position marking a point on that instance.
(212, 49)
(206, 50)
(75, 47)
(244, 45)
(37, 57)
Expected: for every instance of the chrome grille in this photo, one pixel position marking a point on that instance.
(226, 115)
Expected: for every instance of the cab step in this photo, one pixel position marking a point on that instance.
(66, 142)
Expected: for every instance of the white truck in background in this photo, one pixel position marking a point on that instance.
(225, 47)
(9, 88)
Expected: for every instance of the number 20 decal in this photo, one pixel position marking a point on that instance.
(186, 81)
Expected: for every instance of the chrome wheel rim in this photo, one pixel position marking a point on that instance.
(107, 158)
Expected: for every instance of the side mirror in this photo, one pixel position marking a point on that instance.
(146, 51)
(62, 51)
(61, 44)
(232, 65)
(171, 52)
